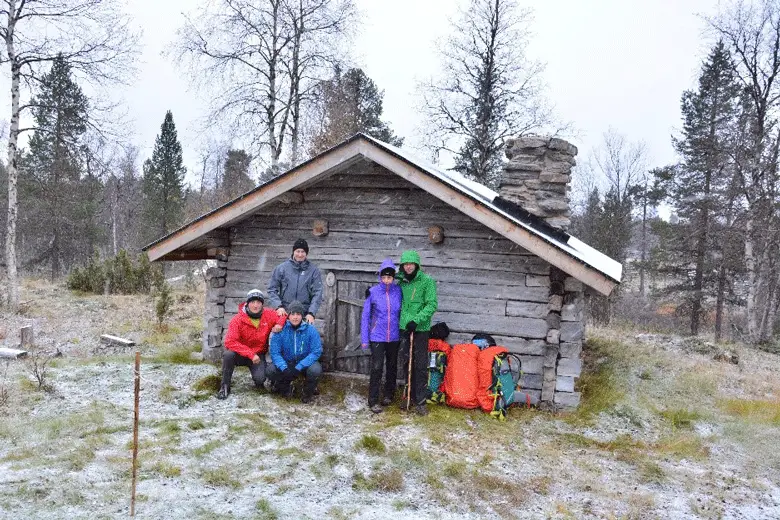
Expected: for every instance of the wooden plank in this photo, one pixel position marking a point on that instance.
(501, 325)
(116, 341)
(12, 353)
(338, 158)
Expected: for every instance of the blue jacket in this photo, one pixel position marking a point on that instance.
(291, 281)
(381, 311)
(299, 347)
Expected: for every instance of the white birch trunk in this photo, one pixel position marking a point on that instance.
(750, 267)
(13, 138)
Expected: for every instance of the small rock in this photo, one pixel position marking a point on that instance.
(354, 403)
(728, 357)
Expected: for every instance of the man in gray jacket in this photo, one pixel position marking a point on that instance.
(296, 279)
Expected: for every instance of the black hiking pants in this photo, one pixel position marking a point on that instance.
(284, 387)
(419, 364)
(383, 355)
(232, 359)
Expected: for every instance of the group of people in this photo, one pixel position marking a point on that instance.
(396, 322)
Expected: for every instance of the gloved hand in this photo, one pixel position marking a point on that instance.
(411, 326)
(290, 374)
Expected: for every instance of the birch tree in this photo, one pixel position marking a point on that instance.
(258, 62)
(93, 36)
(488, 89)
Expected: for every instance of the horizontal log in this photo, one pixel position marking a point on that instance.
(500, 325)
(501, 265)
(524, 398)
(533, 381)
(12, 353)
(270, 241)
(116, 341)
(526, 309)
(564, 384)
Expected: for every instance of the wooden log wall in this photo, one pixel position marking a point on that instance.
(485, 282)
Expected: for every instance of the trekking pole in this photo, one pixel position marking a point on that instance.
(409, 374)
(135, 428)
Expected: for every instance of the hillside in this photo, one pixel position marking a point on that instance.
(665, 431)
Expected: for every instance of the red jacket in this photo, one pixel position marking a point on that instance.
(245, 339)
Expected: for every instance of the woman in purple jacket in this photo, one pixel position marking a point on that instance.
(379, 331)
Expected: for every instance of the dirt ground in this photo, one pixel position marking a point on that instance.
(665, 431)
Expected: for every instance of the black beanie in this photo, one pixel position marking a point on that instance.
(301, 244)
(296, 307)
(387, 271)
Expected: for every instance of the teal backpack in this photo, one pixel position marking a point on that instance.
(437, 364)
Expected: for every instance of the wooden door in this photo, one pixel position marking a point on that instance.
(350, 295)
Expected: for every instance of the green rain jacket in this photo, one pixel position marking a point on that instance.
(419, 295)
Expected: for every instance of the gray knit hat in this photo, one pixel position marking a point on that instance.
(296, 307)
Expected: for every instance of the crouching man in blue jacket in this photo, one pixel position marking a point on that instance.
(295, 351)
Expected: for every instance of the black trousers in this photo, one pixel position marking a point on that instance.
(312, 375)
(231, 359)
(419, 364)
(383, 355)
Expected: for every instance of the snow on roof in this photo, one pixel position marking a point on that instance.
(565, 242)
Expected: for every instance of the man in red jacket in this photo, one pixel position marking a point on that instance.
(246, 341)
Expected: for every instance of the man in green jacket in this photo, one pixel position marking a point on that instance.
(417, 307)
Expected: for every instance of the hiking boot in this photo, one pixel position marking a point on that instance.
(387, 401)
(376, 408)
(307, 399)
(224, 392)
(317, 391)
(421, 410)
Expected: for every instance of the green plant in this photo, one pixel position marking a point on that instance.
(265, 510)
(164, 303)
(371, 443)
(680, 417)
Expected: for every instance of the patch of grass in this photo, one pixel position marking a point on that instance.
(332, 460)
(177, 356)
(682, 446)
(257, 423)
(696, 383)
(78, 457)
(371, 444)
(165, 469)
(599, 383)
(220, 477)
(170, 427)
(206, 448)
(651, 473)
(265, 511)
(389, 480)
(196, 424)
(540, 485)
(680, 418)
(294, 452)
(454, 469)
(208, 384)
(753, 411)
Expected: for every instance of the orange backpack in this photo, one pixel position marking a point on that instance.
(460, 379)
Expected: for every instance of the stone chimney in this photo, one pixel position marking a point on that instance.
(537, 177)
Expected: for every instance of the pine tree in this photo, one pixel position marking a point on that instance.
(236, 180)
(697, 187)
(57, 202)
(163, 183)
(352, 103)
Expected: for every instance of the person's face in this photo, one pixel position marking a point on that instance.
(299, 255)
(387, 279)
(295, 319)
(255, 306)
(409, 268)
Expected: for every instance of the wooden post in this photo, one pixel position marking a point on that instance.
(137, 375)
(27, 339)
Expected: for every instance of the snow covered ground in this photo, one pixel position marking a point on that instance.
(664, 432)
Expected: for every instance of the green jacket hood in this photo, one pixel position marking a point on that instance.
(410, 257)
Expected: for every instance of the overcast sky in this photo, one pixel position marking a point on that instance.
(609, 63)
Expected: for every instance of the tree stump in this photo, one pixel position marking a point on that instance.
(26, 336)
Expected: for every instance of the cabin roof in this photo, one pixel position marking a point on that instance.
(203, 236)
